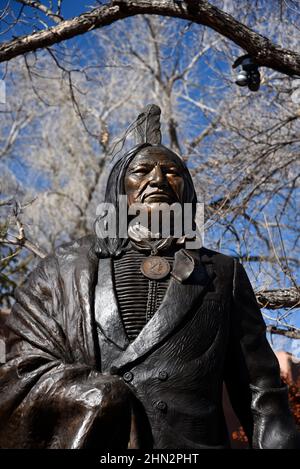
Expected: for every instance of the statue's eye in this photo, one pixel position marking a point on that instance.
(140, 171)
(173, 171)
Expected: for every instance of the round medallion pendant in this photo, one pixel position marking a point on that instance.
(155, 267)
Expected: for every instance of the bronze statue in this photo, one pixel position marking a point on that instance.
(125, 342)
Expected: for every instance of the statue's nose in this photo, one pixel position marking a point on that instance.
(157, 176)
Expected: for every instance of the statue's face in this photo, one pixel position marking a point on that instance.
(154, 176)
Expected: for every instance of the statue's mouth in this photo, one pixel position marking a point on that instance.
(159, 196)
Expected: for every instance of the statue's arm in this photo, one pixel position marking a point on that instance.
(47, 400)
(252, 373)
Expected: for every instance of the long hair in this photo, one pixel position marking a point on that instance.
(112, 247)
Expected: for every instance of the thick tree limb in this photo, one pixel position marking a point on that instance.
(198, 11)
(281, 298)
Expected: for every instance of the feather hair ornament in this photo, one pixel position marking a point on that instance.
(147, 125)
(145, 128)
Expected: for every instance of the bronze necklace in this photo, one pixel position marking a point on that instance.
(154, 267)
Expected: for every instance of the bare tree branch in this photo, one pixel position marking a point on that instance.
(39, 6)
(279, 298)
(22, 241)
(290, 333)
(198, 11)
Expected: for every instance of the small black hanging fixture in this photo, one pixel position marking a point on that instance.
(249, 74)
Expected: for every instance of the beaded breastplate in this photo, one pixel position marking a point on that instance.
(138, 296)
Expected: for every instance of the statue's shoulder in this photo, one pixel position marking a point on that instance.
(84, 244)
(63, 262)
(78, 250)
(66, 256)
(217, 258)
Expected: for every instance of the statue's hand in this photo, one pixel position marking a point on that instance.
(108, 402)
(117, 396)
(274, 426)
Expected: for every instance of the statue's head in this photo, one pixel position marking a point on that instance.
(149, 174)
(154, 176)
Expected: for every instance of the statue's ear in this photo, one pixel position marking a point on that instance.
(147, 127)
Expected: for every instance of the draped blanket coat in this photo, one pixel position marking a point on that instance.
(73, 380)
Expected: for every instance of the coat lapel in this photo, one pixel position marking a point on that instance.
(180, 299)
(107, 313)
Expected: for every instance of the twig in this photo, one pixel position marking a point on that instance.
(291, 333)
(22, 241)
